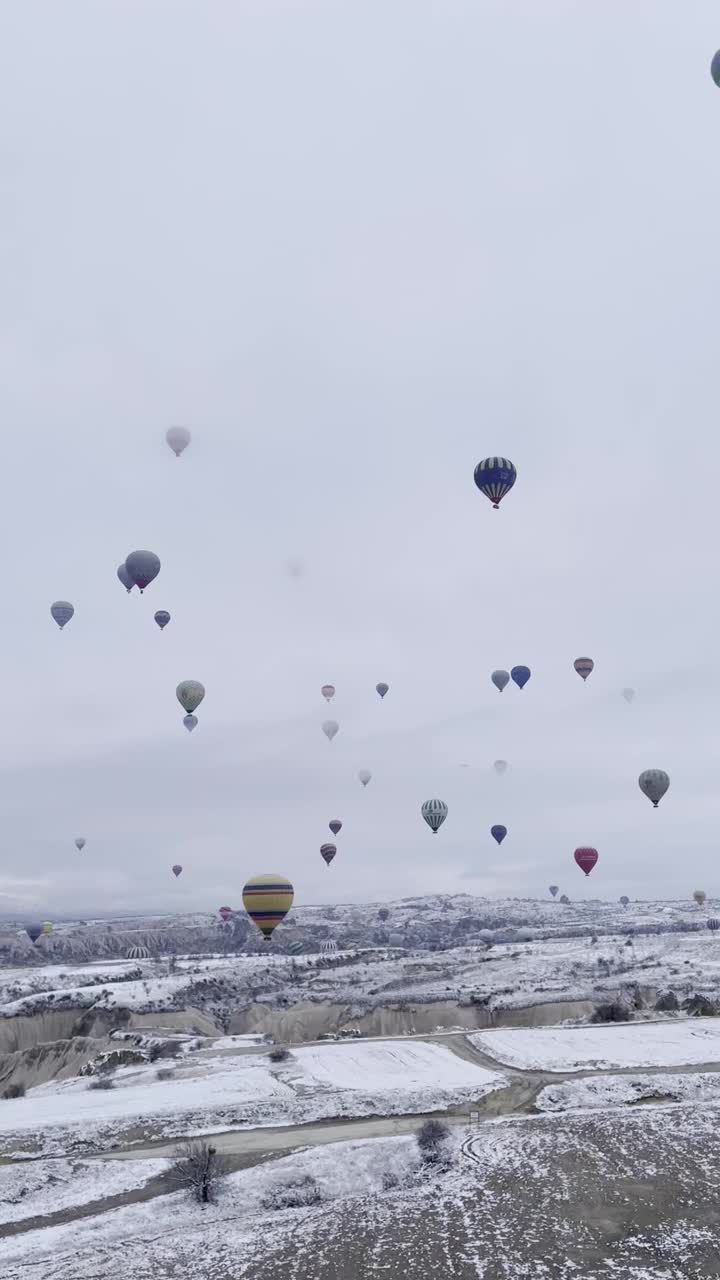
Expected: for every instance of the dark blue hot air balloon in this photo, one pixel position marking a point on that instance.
(495, 477)
(498, 833)
(520, 675)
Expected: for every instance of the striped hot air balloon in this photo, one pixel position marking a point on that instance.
(434, 812)
(713, 924)
(583, 666)
(327, 852)
(495, 477)
(267, 900)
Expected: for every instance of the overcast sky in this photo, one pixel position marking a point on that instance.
(356, 247)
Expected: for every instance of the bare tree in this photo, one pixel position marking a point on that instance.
(431, 1139)
(199, 1170)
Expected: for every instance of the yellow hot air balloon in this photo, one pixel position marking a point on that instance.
(267, 900)
(47, 926)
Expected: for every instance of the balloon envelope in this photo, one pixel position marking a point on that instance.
(495, 477)
(162, 617)
(328, 851)
(225, 913)
(330, 728)
(143, 567)
(33, 931)
(715, 68)
(382, 688)
(500, 678)
(178, 438)
(498, 833)
(364, 775)
(328, 692)
(553, 889)
(176, 869)
(335, 825)
(654, 783)
(267, 900)
(190, 722)
(624, 900)
(628, 694)
(434, 812)
(713, 924)
(520, 675)
(62, 611)
(190, 694)
(699, 895)
(586, 859)
(47, 927)
(500, 766)
(124, 577)
(583, 666)
(80, 842)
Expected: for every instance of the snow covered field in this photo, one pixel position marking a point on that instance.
(629, 1090)
(243, 1091)
(37, 1189)
(666, 1044)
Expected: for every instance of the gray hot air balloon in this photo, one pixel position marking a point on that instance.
(500, 679)
(190, 694)
(500, 766)
(654, 783)
(62, 611)
(364, 775)
(143, 567)
(125, 578)
(434, 812)
(330, 728)
(33, 931)
(553, 888)
(628, 694)
(190, 723)
(80, 842)
(382, 688)
(176, 869)
(162, 617)
(178, 438)
(715, 68)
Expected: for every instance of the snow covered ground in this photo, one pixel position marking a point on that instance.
(36, 1189)
(685, 1042)
(629, 1090)
(206, 1092)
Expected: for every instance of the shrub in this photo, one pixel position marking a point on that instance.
(199, 1170)
(612, 1011)
(431, 1139)
(14, 1090)
(296, 1193)
(103, 1082)
(166, 1049)
(165, 1073)
(700, 1006)
(279, 1053)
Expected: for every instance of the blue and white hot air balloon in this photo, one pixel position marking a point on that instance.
(495, 477)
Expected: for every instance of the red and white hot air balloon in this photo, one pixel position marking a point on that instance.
(583, 666)
(586, 859)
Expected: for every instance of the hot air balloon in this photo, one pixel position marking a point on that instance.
(628, 694)
(125, 578)
(190, 723)
(654, 783)
(178, 438)
(328, 947)
(33, 931)
(382, 688)
(498, 833)
(162, 617)
(267, 900)
(80, 842)
(190, 694)
(330, 728)
(699, 895)
(565, 900)
(176, 869)
(500, 678)
(335, 825)
(328, 692)
(47, 927)
(715, 68)
(586, 859)
(434, 812)
(553, 889)
(225, 913)
(62, 611)
(713, 924)
(520, 675)
(583, 666)
(143, 567)
(624, 900)
(495, 477)
(364, 775)
(328, 851)
(296, 946)
(500, 766)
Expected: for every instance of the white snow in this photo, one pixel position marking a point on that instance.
(391, 1064)
(34, 1189)
(682, 1042)
(614, 1091)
